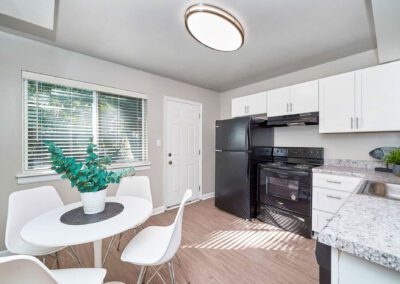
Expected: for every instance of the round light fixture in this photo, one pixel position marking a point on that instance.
(214, 27)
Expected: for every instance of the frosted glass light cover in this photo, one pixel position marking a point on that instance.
(215, 28)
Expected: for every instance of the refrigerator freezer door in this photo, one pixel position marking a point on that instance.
(232, 184)
(233, 134)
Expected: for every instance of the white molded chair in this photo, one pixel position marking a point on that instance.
(23, 206)
(138, 186)
(156, 245)
(23, 269)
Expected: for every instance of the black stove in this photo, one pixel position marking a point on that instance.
(285, 188)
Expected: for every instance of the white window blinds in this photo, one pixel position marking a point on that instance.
(73, 117)
(122, 128)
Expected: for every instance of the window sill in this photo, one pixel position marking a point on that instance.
(42, 176)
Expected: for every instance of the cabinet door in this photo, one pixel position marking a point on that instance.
(257, 103)
(304, 97)
(337, 103)
(239, 107)
(379, 99)
(278, 102)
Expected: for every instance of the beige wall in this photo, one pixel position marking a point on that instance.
(337, 146)
(18, 54)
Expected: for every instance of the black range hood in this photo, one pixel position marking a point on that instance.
(309, 118)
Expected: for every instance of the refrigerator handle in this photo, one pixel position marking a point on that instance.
(248, 140)
(248, 167)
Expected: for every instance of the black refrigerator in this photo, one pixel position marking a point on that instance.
(235, 168)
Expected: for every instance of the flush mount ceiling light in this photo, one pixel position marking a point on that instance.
(214, 27)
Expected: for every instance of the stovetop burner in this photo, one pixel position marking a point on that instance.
(296, 158)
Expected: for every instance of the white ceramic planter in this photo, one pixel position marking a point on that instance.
(94, 202)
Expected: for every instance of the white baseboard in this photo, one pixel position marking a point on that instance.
(208, 195)
(158, 210)
(162, 209)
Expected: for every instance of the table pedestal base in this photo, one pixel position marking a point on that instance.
(97, 254)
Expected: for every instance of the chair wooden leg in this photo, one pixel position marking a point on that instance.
(73, 254)
(142, 275)
(57, 261)
(119, 241)
(171, 272)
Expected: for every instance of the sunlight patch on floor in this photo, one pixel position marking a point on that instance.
(255, 239)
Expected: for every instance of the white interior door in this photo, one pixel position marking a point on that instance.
(182, 150)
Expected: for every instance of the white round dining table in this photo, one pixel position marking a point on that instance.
(47, 230)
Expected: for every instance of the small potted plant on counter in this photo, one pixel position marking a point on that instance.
(393, 158)
(91, 178)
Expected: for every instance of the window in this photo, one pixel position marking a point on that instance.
(72, 114)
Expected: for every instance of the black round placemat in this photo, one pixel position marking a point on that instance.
(78, 217)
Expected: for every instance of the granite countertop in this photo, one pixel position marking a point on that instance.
(365, 226)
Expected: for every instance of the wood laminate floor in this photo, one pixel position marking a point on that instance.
(220, 248)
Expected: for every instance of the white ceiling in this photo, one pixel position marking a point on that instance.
(280, 37)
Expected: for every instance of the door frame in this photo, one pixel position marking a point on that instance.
(165, 158)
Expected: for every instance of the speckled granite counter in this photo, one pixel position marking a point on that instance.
(366, 174)
(365, 226)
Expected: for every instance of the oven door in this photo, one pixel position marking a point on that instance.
(285, 189)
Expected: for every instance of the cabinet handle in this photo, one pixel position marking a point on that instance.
(333, 181)
(291, 107)
(356, 122)
(334, 197)
(351, 123)
(287, 107)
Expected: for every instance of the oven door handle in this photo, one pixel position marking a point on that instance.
(287, 173)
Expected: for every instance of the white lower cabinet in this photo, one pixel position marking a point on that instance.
(328, 200)
(349, 269)
(329, 194)
(320, 219)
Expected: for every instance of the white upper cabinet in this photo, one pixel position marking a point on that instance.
(249, 105)
(304, 97)
(300, 98)
(367, 100)
(378, 103)
(336, 103)
(239, 106)
(257, 103)
(278, 102)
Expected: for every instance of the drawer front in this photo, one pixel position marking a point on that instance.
(343, 183)
(328, 200)
(319, 220)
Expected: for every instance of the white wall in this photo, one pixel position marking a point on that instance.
(18, 54)
(337, 146)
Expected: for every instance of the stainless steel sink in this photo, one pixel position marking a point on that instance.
(385, 190)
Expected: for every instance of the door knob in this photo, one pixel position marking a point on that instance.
(170, 162)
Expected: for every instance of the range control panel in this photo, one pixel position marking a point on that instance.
(299, 152)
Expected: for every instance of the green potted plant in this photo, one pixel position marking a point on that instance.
(393, 158)
(91, 178)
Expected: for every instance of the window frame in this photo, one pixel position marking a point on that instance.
(34, 175)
